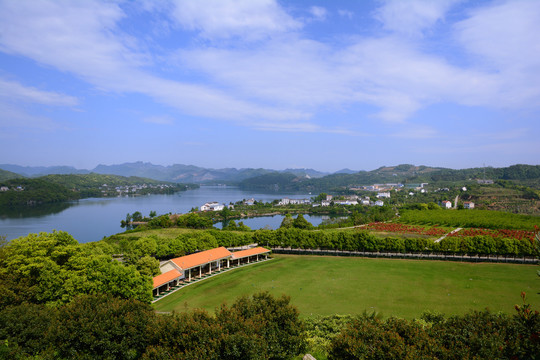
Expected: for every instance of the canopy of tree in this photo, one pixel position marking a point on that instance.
(53, 268)
(104, 327)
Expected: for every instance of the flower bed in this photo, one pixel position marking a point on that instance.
(406, 229)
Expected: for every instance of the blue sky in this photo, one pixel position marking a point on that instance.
(274, 84)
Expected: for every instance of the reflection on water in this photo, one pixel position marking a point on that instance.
(92, 219)
(34, 210)
(274, 222)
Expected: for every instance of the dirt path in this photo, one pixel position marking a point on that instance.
(445, 235)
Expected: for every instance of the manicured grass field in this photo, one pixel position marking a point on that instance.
(320, 285)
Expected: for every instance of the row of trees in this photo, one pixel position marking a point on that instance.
(104, 327)
(139, 252)
(364, 241)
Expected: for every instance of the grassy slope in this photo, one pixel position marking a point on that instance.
(403, 288)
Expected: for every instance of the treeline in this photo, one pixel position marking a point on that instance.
(487, 219)
(33, 191)
(91, 185)
(364, 241)
(401, 173)
(59, 188)
(104, 327)
(137, 247)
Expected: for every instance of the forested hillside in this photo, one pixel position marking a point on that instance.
(58, 188)
(405, 173)
(7, 175)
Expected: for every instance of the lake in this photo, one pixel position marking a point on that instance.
(92, 219)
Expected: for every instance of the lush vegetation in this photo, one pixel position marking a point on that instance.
(53, 269)
(471, 218)
(7, 175)
(476, 335)
(177, 242)
(103, 327)
(402, 173)
(61, 299)
(59, 188)
(33, 191)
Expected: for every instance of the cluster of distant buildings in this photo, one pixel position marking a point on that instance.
(329, 201)
(131, 189)
(388, 187)
(448, 205)
(14, 188)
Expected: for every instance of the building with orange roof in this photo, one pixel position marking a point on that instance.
(200, 264)
(197, 264)
(250, 255)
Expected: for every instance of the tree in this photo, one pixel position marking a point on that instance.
(225, 213)
(103, 327)
(148, 266)
(152, 214)
(301, 223)
(320, 197)
(137, 216)
(287, 222)
(272, 319)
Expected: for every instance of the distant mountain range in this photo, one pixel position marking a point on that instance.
(404, 173)
(289, 179)
(174, 173)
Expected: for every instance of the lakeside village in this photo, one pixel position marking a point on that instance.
(107, 190)
(383, 192)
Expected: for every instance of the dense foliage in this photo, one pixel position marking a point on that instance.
(104, 327)
(477, 335)
(402, 173)
(33, 191)
(58, 188)
(8, 175)
(470, 218)
(53, 268)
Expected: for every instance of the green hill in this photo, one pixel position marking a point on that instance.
(404, 173)
(7, 175)
(58, 188)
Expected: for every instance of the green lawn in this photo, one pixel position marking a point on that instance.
(320, 285)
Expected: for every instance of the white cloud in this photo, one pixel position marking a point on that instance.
(412, 17)
(504, 39)
(247, 19)
(82, 38)
(15, 91)
(283, 79)
(318, 12)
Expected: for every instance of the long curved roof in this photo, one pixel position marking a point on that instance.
(201, 258)
(250, 252)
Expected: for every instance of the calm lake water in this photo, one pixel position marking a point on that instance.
(92, 219)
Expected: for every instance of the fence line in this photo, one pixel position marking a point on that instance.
(410, 255)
